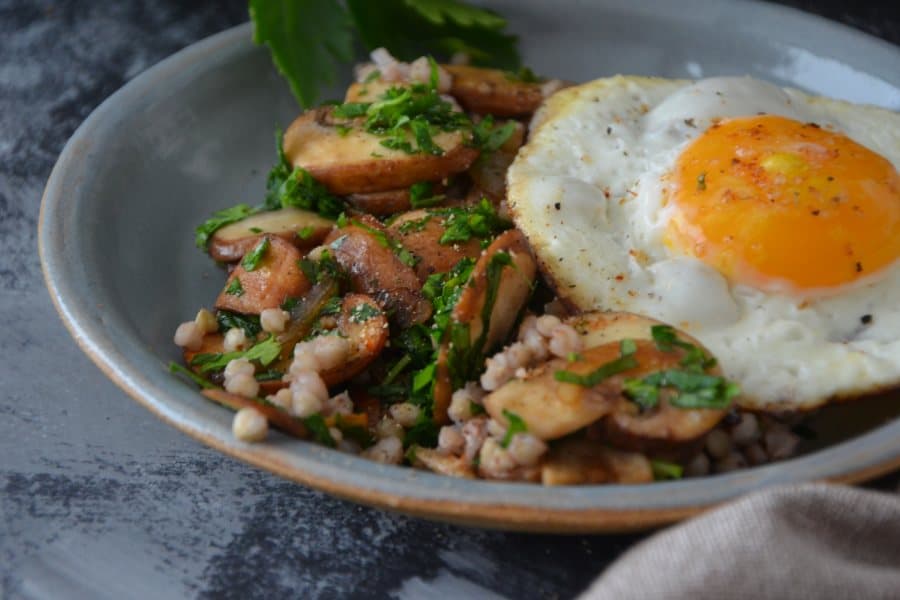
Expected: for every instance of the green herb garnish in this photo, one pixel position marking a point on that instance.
(406, 257)
(666, 470)
(319, 430)
(308, 39)
(176, 369)
(221, 219)
(252, 259)
(421, 196)
(235, 288)
(625, 362)
(695, 359)
(516, 425)
(464, 223)
(264, 353)
(363, 312)
(230, 320)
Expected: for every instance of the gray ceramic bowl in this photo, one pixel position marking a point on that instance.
(195, 134)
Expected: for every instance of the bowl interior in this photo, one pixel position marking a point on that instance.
(196, 134)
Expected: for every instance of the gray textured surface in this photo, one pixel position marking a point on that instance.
(94, 490)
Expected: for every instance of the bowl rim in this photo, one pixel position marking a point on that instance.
(517, 506)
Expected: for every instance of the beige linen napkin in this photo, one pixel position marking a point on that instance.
(809, 541)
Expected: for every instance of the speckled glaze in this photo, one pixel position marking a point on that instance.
(194, 134)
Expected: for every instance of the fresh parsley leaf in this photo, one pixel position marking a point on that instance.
(406, 257)
(300, 190)
(229, 320)
(666, 470)
(411, 28)
(235, 288)
(524, 75)
(319, 430)
(625, 361)
(490, 138)
(306, 38)
(326, 268)
(421, 196)
(424, 432)
(363, 312)
(252, 259)
(644, 394)
(264, 352)
(177, 369)
(269, 376)
(695, 359)
(465, 222)
(516, 425)
(693, 389)
(218, 220)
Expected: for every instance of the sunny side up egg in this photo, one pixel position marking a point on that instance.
(763, 221)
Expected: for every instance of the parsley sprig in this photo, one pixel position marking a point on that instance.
(308, 39)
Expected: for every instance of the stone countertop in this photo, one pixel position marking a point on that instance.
(99, 498)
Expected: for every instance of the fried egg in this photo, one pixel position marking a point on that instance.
(763, 221)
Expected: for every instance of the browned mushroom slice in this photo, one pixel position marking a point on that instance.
(445, 464)
(365, 327)
(420, 232)
(552, 409)
(493, 92)
(488, 173)
(302, 228)
(364, 251)
(512, 290)
(498, 288)
(664, 427)
(381, 203)
(580, 461)
(276, 277)
(355, 162)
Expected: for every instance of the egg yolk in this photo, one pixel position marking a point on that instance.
(770, 201)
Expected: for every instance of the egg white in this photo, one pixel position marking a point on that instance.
(587, 191)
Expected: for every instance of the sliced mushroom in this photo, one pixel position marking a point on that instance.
(375, 269)
(488, 173)
(381, 203)
(665, 427)
(580, 461)
(303, 228)
(515, 283)
(275, 278)
(363, 324)
(420, 232)
(552, 409)
(510, 293)
(445, 464)
(355, 162)
(493, 92)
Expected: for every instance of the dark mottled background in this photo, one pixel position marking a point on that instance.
(84, 515)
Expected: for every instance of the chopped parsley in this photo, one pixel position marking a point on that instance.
(421, 195)
(252, 259)
(319, 430)
(304, 233)
(230, 320)
(235, 288)
(264, 352)
(466, 222)
(516, 425)
(271, 375)
(363, 312)
(176, 369)
(523, 75)
(489, 138)
(663, 470)
(625, 362)
(695, 359)
(326, 268)
(424, 432)
(220, 219)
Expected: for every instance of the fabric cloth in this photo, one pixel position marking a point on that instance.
(809, 541)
